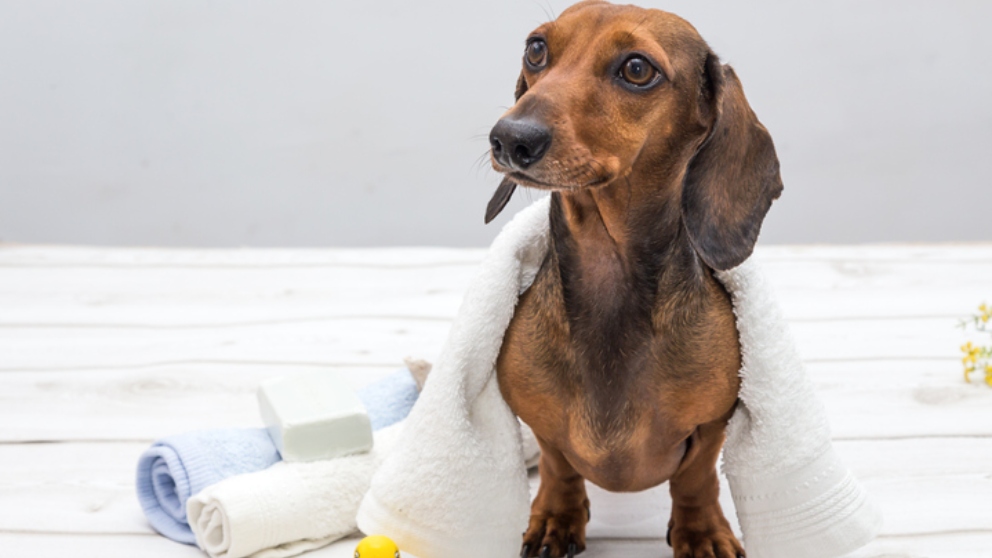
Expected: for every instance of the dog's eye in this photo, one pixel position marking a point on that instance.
(536, 55)
(638, 71)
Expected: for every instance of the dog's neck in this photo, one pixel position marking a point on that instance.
(619, 246)
(620, 226)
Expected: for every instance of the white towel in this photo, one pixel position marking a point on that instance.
(291, 508)
(794, 497)
(455, 484)
(288, 508)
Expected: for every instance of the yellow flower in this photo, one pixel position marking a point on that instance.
(978, 358)
(970, 353)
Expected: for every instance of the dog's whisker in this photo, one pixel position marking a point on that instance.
(480, 163)
(630, 34)
(549, 12)
(482, 158)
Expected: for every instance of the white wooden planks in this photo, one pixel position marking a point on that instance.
(138, 404)
(866, 399)
(102, 350)
(953, 545)
(88, 487)
(72, 545)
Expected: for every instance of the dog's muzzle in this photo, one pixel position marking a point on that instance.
(518, 144)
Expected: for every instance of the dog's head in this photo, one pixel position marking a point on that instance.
(608, 92)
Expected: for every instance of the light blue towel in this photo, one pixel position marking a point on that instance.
(176, 468)
(389, 400)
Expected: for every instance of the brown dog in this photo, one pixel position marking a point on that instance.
(623, 355)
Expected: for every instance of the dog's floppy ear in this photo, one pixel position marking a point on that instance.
(733, 178)
(521, 87)
(506, 188)
(500, 198)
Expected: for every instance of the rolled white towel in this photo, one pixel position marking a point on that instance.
(287, 509)
(291, 508)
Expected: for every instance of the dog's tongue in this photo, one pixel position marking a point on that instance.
(499, 200)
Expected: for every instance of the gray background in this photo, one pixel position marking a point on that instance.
(320, 122)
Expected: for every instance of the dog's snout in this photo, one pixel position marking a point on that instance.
(519, 143)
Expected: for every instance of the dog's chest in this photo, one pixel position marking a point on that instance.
(597, 367)
(588, 339)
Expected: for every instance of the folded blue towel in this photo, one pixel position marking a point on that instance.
(389, 400)
(176, 468)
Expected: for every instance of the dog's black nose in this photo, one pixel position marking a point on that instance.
(519, 143)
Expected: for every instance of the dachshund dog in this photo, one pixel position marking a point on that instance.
(623, 355)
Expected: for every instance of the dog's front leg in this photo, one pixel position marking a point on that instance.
(559, 513)
(698, 527)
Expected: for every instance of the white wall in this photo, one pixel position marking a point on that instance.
(321, 122)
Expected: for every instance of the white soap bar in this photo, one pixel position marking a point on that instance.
(314, 416)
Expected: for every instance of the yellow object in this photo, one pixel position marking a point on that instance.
(377, 546)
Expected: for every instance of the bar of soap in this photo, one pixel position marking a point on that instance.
(314, 416)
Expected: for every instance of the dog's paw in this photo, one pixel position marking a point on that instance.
(556, 535)
(703, 534)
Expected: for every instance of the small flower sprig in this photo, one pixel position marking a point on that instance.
(978, 357)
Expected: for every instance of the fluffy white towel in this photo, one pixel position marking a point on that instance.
(288, 508)
(455, 484)
(291, 508)
(794, 497)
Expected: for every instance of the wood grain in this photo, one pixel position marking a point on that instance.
(874, 399)
(924, 486)
(949, 545)
(103, 350)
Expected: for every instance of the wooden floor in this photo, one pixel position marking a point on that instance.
(104, 350)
